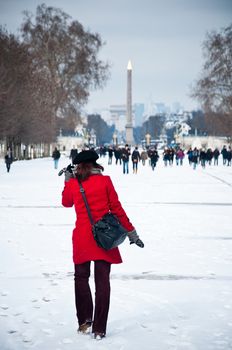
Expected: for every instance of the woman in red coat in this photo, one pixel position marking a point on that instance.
(102, 198)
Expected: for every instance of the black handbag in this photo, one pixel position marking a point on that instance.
(107, 232)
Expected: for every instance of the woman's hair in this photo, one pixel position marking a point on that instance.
(84, 170)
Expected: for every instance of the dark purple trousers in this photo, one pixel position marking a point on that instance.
(83, 296)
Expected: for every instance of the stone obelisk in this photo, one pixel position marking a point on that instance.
(129, 126)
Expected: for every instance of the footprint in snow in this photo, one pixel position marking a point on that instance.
(147, 327)
(47, 299)
(4, 307)
(143, 325)
(26, 321)
(174, 326)
(26, 338)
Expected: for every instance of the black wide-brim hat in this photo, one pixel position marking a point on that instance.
(85, 157)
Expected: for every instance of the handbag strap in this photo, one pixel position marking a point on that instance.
(86, 203)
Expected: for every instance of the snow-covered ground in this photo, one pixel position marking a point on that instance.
(176, 293)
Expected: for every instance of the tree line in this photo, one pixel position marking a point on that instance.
(47, 73)
(214, 88)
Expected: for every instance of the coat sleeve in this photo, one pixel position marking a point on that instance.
(116, 207)
(67, 197)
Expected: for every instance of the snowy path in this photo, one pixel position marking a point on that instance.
(174, 294)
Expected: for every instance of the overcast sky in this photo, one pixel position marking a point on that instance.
(162, 38)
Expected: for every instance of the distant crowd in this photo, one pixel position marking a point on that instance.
(197, 156)
(170, 155)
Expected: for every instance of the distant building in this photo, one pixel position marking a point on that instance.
(139, 109)
(161, 108)
(118, 116)
(177, 108)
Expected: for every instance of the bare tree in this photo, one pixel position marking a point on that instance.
(67, 54)
(46, 76)
(69, 120)
(214, 88)
(24, 97)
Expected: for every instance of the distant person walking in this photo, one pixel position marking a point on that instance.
(190, 155)
(118, 155)
(144, 157)
(125, 159)
(179, 157)
(135, 157)
(224, 155)
(166, 156)
(110, 155)
(194, 157)
(56, 157)
(154, 156)
(202, 157)
(171, 154)
(73, 153)
(8, 159)
(229, 156)
(216, 155)
(209, 156)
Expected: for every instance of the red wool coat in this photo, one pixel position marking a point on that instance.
(102, 198)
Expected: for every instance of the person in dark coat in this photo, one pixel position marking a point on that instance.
(190, 154)
(8, 159)
(125, 159)
(118, 155)
(110, 155)
(56, 157)
(194, 157)
(135, 157)
(171, 153)
(154, 158)
(202, 157)
(102, 198)
(73, 153)
(229, 156)
(216, 155)
(166, 156)
(224, 155)
(209, 156)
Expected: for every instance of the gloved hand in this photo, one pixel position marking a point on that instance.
(134, 238)
(68, 173)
